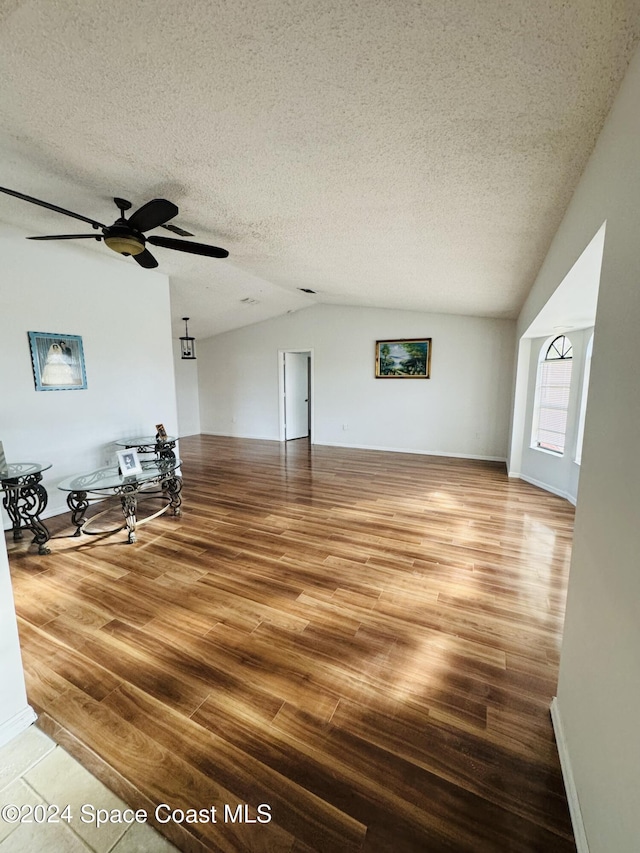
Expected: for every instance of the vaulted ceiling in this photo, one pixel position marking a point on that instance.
(386, 153)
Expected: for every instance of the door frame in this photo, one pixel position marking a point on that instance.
(281, 352)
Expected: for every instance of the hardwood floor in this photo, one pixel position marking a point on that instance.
(365, 643)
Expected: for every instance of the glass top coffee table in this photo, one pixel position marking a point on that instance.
(25, 499)
(85, 489)
(164, 448)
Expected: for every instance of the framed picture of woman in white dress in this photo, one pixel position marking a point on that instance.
(58, 361)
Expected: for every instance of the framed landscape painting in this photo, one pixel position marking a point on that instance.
(404, 359)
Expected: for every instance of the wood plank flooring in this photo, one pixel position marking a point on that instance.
(365, 643)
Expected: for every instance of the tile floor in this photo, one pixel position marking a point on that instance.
(35, 771)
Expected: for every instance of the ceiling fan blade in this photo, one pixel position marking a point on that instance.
(177, 230)
(153, 214)
(68, 237)
(52, 207)
(186, 246)
(145, 259)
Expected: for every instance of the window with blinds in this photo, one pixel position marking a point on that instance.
(552, 396)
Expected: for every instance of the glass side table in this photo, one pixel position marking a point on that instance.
(164, 449)
(109, 482)
(25, 499)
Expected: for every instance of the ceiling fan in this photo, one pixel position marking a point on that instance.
(126, 236)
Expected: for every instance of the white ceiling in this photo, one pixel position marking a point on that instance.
(386, 153)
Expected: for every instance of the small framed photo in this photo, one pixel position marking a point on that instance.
(58, 361)
(404, 359)
(128, 462)
(161, 433)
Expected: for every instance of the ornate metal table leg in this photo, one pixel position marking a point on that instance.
(10, 503)
(25, 501)
(77, 503)
(128, 497)
(174, 486)
(165, 450)
(41, 535)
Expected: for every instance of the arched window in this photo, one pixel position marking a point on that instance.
(583, 400)
(552, 395)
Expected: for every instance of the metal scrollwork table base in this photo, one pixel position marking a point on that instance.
(85, 489)
(25, 499)
(164, 448)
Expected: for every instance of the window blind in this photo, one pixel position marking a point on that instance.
(554, 387)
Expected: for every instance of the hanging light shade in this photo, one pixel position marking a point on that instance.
(187, 343)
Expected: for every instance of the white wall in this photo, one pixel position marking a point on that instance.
(122, 313)
(188, 402)
(462, 410)
(15, 713)
(558, 474)
(599, 685)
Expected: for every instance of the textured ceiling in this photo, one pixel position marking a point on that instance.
(387, 153)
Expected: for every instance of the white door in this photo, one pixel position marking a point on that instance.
(296, 395)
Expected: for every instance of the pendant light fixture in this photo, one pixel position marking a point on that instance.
(187, 343)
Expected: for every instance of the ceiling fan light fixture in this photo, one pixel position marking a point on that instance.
(126, 236)
(124, 245)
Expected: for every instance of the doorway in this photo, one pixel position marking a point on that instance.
(295, 394)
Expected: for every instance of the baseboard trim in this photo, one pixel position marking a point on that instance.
(369, 447)
(238, 435)
(444, 453)
(569, 782)
(17, 724)
(547, 488)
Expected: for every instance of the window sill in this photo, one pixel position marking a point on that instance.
(555, 453)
